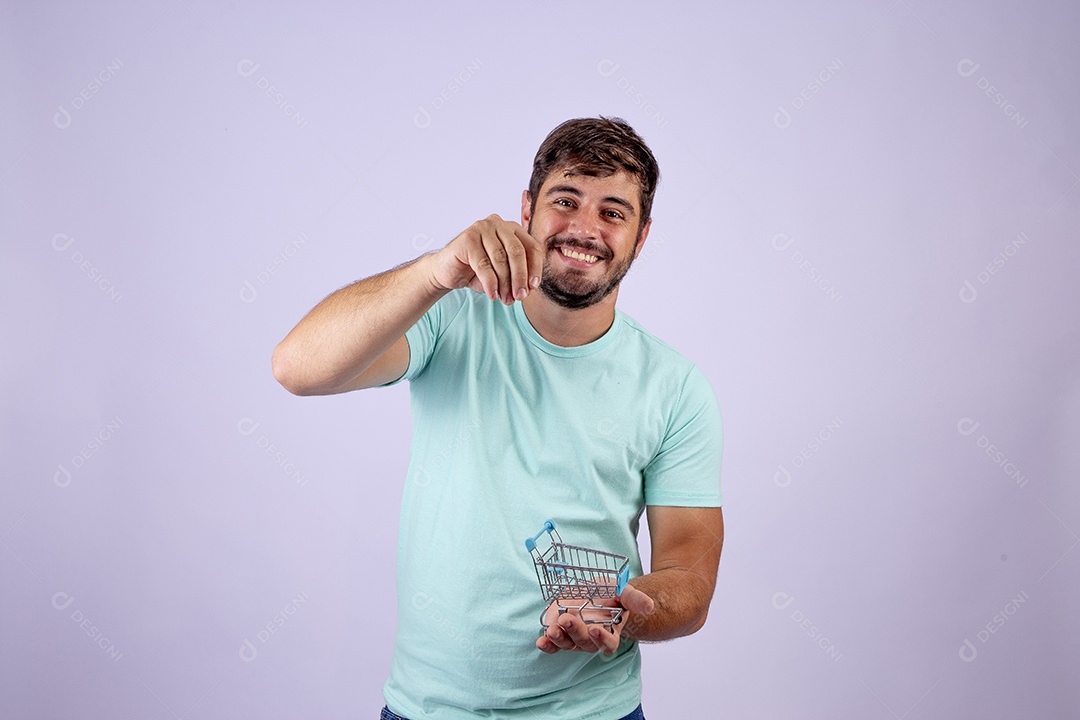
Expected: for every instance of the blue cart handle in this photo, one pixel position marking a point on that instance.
(530, 543)
(623, 579)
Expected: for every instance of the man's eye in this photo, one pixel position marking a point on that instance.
(564, 202)
(614, 214)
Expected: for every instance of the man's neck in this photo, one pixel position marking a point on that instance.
(565, 327)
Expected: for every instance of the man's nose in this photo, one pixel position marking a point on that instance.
(582, 227)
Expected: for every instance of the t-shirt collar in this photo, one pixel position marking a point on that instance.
(558, 350)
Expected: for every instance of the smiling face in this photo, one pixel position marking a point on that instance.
(592, 230)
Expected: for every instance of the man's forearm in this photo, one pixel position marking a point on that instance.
(348, 331)
(681, 600)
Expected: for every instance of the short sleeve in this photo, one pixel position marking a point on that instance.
(423, 336)
(685, 472)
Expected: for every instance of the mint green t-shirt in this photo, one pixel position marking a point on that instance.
(510, 430)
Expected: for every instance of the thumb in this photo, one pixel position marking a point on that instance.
(636, 601)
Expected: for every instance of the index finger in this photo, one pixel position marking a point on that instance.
(578, 631)
(606, 639)
(534, 256)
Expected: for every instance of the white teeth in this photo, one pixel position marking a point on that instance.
(578, 256)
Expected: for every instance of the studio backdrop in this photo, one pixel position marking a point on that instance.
(864, 235)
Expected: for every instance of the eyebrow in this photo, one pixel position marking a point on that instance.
(571, 190)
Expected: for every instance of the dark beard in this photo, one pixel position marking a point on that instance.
(574, 293)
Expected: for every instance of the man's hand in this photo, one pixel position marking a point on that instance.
(494, 256)
(569, 631)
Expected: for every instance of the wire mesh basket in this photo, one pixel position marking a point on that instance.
(568, 574)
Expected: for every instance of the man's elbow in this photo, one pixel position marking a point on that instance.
(283, 365)
(702, 596)
(699, 622)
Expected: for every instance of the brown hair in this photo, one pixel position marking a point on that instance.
(597, 147)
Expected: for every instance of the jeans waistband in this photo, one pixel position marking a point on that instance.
(388, 715)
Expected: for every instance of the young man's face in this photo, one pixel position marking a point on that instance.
(590, 230)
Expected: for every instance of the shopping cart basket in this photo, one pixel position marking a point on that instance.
(569, 573)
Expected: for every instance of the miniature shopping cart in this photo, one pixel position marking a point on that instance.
(576, 577)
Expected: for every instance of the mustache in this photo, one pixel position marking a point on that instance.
(585, 246)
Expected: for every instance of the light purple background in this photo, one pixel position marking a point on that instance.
(865, 252)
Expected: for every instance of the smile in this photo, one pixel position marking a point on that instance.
(579, 256)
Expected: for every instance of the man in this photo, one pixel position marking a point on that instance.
(532, 398)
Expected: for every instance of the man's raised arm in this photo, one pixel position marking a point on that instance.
(355, 338)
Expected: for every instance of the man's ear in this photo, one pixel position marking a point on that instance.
(644, 236)
(526, 208)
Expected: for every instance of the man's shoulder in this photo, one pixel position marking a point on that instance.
(461, 303)
(651, 345)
